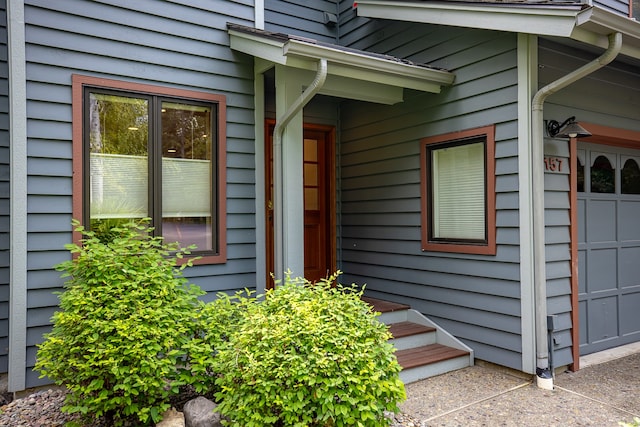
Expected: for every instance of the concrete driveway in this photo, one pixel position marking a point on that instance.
(600, 394)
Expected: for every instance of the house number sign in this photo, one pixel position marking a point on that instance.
(554, 164)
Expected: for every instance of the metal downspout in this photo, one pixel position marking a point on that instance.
(278, 132)
(543, 374)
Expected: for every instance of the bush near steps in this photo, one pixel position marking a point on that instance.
(309, 355)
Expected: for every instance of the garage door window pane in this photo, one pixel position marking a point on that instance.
(580, 176)
(603, 178)
(630, 177)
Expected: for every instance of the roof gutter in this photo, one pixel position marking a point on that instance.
(278, 132)
(543, 371)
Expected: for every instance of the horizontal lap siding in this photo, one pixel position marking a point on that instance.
(608, 97)
(618, 6)
(302, 18)
(174, 44)
(351, 27)
(557, 240)
(474, 297)
(4, 191)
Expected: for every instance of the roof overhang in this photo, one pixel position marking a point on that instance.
(588, 24)
(352, 73)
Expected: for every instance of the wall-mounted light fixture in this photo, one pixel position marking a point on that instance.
(567, 129)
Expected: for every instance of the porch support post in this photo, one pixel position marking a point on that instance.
(288, 146)
(260, 67)
(288, 180)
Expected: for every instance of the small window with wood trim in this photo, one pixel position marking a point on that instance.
(458, 192)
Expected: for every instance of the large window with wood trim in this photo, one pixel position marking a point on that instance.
(458, 192)
(149, 152)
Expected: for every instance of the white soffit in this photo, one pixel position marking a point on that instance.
(365, 70)
(588, 24)
(515, 18)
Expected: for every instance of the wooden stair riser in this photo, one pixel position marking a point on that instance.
(410, 335)
(413, 341)
(393, 317)
(431, 370)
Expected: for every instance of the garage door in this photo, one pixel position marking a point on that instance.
(608, 246)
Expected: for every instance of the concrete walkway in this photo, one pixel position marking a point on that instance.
(604, 392)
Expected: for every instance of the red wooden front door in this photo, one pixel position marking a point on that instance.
(319, 202)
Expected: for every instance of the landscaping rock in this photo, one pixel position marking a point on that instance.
(198, 412)
(172, 418)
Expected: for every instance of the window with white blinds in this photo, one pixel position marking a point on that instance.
(458, 192)
(146, 151)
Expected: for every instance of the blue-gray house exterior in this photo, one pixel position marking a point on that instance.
(560, 248)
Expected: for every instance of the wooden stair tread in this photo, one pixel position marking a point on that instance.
(426, 355)
(405, 329)
(385, 306)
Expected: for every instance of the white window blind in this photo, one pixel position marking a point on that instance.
(186, 188)
(119, 187)
(458, 192)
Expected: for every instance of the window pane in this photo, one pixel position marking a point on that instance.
(118, 160)
(458, 192)
(187, 176)
(580, 171)
(630, 177)
(603, 178)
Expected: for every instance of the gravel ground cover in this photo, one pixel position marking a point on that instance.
(42, 409)
(38, 409)
(482, 395)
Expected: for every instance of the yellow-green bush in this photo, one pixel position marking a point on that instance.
(308, 355)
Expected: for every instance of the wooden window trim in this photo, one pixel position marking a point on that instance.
(78, 84)
(488, 247)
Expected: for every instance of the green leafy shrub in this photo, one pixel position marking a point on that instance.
(120, 341)
(213, 324)
(308, 355)
(634, 423)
